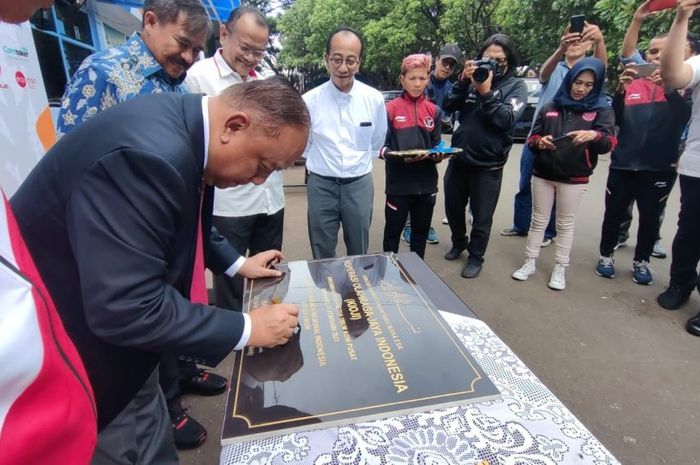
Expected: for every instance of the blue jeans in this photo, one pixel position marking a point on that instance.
(522, 205)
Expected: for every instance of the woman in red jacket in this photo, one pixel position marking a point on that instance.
(411, 184)
(567, 137)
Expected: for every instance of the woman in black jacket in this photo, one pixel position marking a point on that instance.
(567, 137)
(490, 101)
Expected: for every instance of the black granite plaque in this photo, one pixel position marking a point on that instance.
(370, 344)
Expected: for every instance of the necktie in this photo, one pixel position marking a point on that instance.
(198, 290)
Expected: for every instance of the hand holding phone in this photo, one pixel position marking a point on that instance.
(546, 143)
(644, 69)
(563, 142)
(658, 5)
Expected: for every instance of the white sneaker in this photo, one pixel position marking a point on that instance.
(659, 250)
(525, 271)
(558, 279)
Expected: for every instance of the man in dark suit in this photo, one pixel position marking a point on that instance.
(111, 216)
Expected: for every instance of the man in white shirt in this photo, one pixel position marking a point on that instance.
(250, 217)
(681, 74)
(348, 127)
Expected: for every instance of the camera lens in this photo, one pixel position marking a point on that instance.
(481, 73)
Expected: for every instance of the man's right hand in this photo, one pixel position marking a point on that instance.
(272, 325)
(627, 76)
(568, 39)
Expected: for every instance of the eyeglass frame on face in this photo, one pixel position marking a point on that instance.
(338, 61)
(501, 60)
(247, 50)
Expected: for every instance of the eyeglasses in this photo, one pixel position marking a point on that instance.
(447, 63)
(258, 54)
(500, 60)
(350, 62)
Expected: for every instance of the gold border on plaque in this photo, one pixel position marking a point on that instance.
(435, 315)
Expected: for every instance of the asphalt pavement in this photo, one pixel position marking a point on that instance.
(623, 365)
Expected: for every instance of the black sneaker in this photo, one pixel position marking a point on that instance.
(471, 269)
(674, 297)
(187, 431)
(205, 383)
(454, 253)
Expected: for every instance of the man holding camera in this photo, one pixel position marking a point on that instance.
(490, 100)
(572, 48)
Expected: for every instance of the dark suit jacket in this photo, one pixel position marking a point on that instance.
(110, 216)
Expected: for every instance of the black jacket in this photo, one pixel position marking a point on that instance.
(651, 122)
(486, 122)
(110, 215)
(413, 124)
(571, 164)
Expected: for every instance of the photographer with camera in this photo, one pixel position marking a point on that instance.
(490, 100)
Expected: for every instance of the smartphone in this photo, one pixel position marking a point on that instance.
(658, 5)
(645, 69)
(576, 24)
(563, 143)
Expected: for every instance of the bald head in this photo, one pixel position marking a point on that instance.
(255, 128)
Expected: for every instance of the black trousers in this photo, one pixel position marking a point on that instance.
(686, 244)
(171, 370)
(252, 234)
(650, 189)
(247, 234)
(479, 188)
(397, 209)
(140, 434)
(627, 222)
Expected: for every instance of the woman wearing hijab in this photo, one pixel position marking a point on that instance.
(567, 137)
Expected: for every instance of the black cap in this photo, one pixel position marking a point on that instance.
(451, 51)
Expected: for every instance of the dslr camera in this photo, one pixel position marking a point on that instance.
(481, 73)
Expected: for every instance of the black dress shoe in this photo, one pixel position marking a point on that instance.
(454, 253)
(674, 297)
(471, 269)
(693, 325)
(205, 383)
(187, 431)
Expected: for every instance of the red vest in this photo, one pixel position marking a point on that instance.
(47, 409)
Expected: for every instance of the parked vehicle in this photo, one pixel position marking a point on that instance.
(390, 95)
(523, 125)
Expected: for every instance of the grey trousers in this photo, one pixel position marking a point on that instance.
(336, 201)
(141, 434)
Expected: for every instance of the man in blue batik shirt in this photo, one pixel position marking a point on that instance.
(153, 61)
(150, 62)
